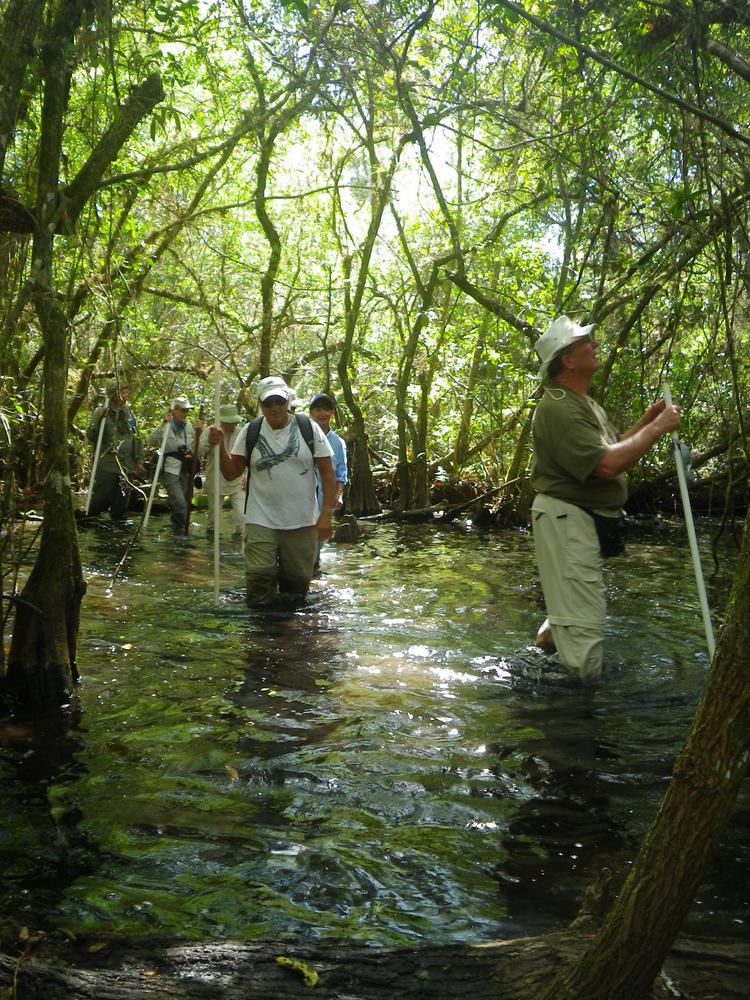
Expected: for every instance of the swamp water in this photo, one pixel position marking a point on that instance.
(393, 763)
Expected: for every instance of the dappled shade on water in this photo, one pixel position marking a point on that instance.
(391, 763)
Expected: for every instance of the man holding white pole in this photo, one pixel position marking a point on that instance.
(229, 420)
(175, 438)
(119, 454)
(579, 474)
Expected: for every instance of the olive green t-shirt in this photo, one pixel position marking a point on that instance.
(571, 433)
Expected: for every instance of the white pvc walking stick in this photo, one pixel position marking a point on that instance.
(97, 452)
(216, 485)
(157, 473)
(689, 524)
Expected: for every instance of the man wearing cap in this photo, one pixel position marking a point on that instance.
(282, 519)
(229, 421)
(579, 467)
(178, 457)
(322, 408)
(120, 455)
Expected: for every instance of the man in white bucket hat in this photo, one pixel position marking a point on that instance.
(178, 457)
(578, 474)
(229, 420)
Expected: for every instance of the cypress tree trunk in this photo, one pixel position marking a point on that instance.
(625, 957)
(42, 661)
(41, 664)
(515, 505)
(421, 477)
(360, 497)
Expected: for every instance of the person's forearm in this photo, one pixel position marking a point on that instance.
(648, 417)
(328, 484)
(228, 463)
(622, 456)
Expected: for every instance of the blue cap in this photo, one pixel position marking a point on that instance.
(323, 400)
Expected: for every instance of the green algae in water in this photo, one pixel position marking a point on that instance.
(391, 764)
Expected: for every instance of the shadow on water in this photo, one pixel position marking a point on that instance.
(391, 763)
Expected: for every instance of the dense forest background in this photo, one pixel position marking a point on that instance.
(389, 200)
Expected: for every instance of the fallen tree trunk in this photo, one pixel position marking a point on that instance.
(516, 969)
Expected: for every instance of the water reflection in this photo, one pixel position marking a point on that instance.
(562, 833)
(391, 763)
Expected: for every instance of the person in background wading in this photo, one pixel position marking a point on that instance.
(121, 454)
(322, 408)
(282, 521)
(578, 473)
(178, 457)
(229, 421)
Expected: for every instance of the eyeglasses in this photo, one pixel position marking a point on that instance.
(273, 401)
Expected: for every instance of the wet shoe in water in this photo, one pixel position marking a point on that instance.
(544, 638)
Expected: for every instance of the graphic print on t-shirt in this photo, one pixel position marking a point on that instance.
(269, 458)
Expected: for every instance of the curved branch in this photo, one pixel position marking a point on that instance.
(140, 104)
(608, 63)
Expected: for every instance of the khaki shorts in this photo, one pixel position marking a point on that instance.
(571, 570)
(278, 561)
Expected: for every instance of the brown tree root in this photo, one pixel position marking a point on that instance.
(517, 969)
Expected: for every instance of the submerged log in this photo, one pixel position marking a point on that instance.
(517, 969)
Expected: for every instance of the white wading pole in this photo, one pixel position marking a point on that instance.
(97, 452)
(216, 485)
(159, 463)
(687, 510)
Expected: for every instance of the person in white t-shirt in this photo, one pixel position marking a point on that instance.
(178, 457)
(282, 520)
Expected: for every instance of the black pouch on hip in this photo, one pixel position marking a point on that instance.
(611, 533)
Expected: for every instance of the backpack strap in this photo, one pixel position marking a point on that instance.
(253, 430)
(306, 430)
(253, 433)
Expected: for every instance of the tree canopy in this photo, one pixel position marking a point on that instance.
(387, 199)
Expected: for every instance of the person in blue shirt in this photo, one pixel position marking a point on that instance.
(322, 407)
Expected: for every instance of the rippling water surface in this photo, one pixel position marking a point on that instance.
(392, 763)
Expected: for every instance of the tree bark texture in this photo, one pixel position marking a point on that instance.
(624, 958)
(360, 497)
(138, 106)
(406, 498)
(41, 663)
(517, 969)
(20, 22)
(268, 279)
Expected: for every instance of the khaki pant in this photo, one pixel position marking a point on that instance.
(237, 499)
(177, 491)
(571, 571)
(278, 561)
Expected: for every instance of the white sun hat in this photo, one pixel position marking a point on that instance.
(558, 335)
(273, 385)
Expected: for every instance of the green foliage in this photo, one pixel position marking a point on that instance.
(606, 191)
